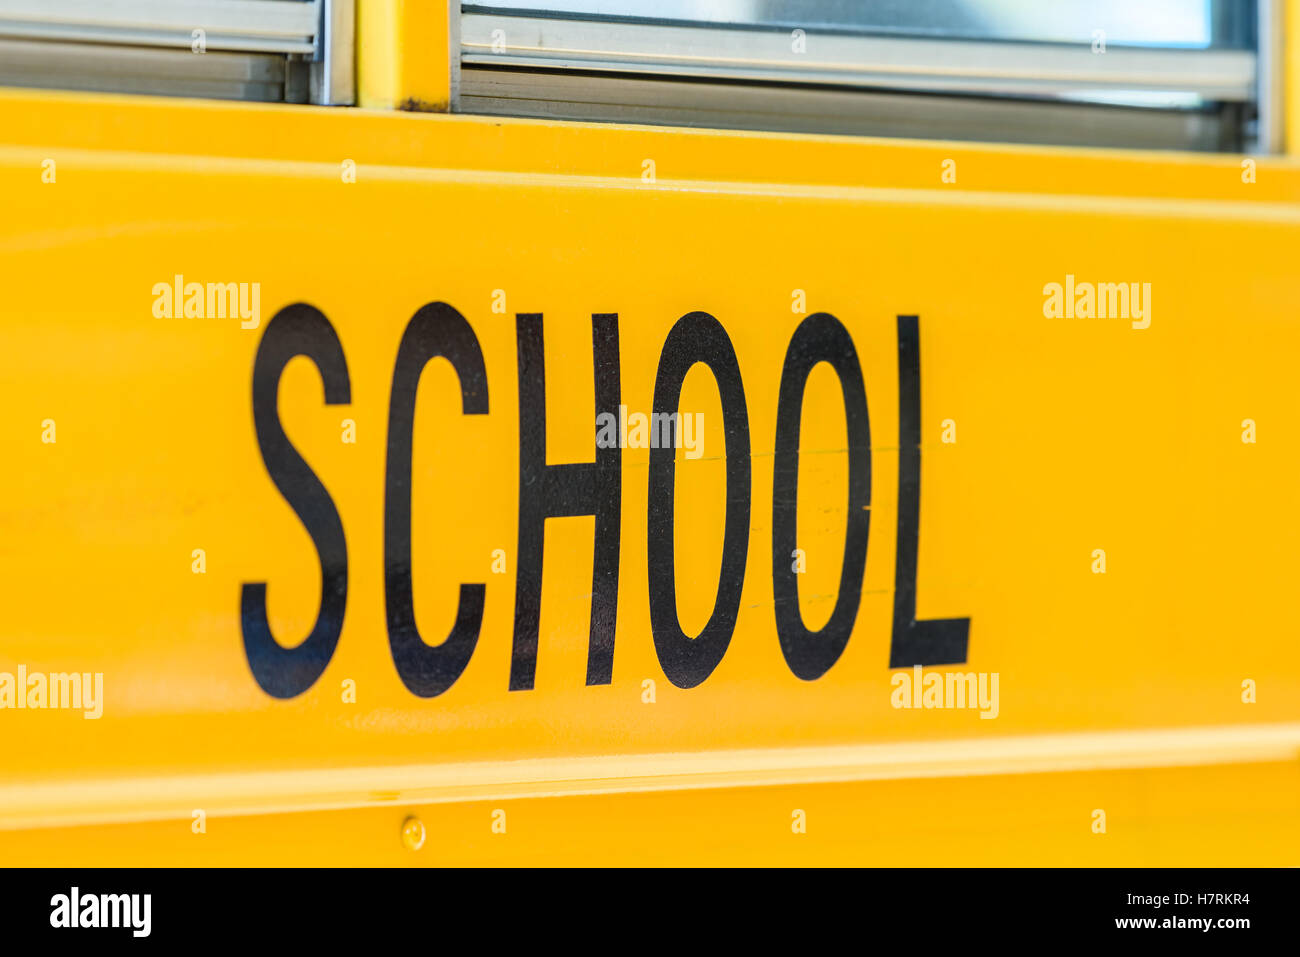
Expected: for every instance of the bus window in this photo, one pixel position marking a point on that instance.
(1176, 74)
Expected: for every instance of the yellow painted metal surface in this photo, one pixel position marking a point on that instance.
(1193, 817)
(132, 448)
(404, 54)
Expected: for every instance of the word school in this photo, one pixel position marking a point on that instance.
(428, 666)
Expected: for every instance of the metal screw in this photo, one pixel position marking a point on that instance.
(413, 833)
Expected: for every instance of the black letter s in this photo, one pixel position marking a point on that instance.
(297, 330)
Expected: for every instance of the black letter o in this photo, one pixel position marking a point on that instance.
(697, 337)
(819, 338)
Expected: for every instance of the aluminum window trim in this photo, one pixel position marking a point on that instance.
(898, 63)
(334, 73)
(271, 26)
(659, 101)
(150, 45)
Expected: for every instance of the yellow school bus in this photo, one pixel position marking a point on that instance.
(737, 432)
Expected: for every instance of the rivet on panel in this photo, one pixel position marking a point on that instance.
(413, 833)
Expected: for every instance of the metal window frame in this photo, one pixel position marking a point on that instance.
(252, 49)
(262, 26)
(897, 63)
(1270, 134)
(334, 72)
(629, 98)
